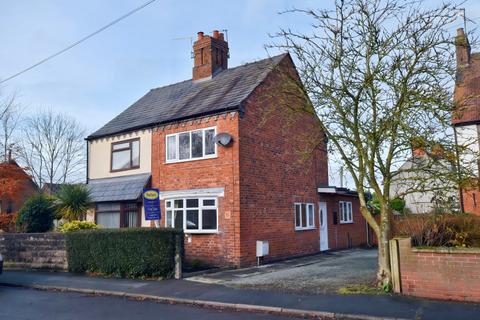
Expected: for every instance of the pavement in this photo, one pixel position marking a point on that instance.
(22, 304)
(315, 274)
(327, 306)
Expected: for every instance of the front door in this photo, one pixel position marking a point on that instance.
(322, 210)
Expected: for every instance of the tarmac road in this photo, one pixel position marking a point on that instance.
(16, 304)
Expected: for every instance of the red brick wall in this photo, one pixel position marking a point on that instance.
(282, 161)
(221, 248)
(339, 234)
(453, 275)
(471, 201)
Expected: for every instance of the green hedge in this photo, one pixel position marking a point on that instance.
(132, 252)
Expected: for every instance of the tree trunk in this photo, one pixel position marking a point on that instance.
(384, 274)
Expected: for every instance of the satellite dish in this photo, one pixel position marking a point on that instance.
(223, 139)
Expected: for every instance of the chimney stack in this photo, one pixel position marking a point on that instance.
(462, 47)
(210, 55)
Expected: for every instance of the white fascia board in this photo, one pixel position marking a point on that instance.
(327, 190)
(205, 192)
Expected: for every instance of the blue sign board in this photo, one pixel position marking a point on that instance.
(151, 204)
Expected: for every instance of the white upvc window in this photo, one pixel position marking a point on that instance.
(304, 216)
(191, 145)
(193, 215)
(346, 213)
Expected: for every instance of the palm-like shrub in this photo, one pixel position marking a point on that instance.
(72, 202)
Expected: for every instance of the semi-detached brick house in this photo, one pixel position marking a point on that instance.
(238, 156)
(466, 119)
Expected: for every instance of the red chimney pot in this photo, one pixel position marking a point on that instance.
(216, 34)
(200, 35)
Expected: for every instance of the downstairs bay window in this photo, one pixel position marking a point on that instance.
(193, 215)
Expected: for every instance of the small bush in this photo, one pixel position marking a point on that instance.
(440, 230)
(36, 215)
(133, 252)
(77, 225)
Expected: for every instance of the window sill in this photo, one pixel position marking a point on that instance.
(305, 229)
(189, 160)
(346, 222)
(200, 232)
(127, 169)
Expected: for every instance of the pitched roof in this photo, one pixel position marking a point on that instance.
(189, 99)
(118, 188)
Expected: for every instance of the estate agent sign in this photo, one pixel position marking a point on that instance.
(151, 204)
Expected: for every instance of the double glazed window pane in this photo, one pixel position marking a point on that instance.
(192, 220)
(121, 160)
(184, 146)
(209, 219)
(209, 142)
(197, 144)
(298, 211)
(171, 148)
(135, 153)
(108, 220)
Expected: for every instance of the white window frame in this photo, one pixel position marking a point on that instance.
(346, 216)
(177, 146)
(310, 225)
(200, 208)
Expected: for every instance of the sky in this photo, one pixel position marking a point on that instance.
(104, 75)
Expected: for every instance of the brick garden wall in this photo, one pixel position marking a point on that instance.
(440, 273)
(33, 250)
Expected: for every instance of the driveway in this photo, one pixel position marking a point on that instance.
(317, 274)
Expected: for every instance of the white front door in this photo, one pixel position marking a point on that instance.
(322, 212)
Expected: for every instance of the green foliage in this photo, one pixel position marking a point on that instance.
(77, 225)
(36, 215)
(73, 202)
(132, 252)
(360, 289)
(396, 204)
(440, 230)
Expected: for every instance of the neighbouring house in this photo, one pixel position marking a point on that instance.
(27, 188)
(51, 188)
(419, 172)
(239, 157)
(466, 119)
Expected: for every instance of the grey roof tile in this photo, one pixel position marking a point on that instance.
(188, 99)
(118, 188)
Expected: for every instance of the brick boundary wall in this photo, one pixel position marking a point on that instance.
(439, 273)
(33, 251)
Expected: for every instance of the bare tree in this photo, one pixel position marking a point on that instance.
(53, 148)
(380, 77)
(10, 116)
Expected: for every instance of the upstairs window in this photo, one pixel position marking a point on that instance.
(346, 213)
(191, 145)
(125, 155)
(304, 216)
